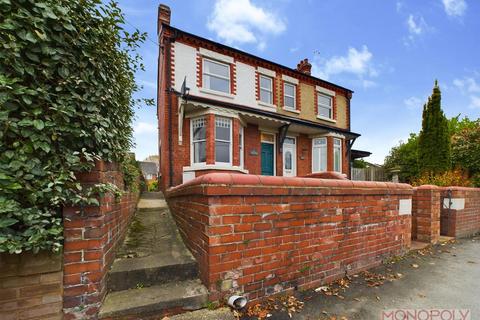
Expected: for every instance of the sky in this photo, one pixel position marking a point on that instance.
(388, 52)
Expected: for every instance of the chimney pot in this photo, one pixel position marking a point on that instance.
(305, 66)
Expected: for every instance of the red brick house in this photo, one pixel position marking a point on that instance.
(222, 109)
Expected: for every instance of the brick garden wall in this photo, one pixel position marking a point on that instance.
(91, 235)
(462, 222)
(31, 286)
(262, 235)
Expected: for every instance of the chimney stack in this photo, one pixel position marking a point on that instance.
(163, 15)
(305, 66)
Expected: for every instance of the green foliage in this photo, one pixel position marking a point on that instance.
(66, 83)
(153, 186)
(434, 139)
(131, 173)
(359, 163)
(466, 149)
(403, 159)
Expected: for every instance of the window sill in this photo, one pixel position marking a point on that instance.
(199, 167)
(291, 110)
(326, 119)
(267, 106)
(217, 93)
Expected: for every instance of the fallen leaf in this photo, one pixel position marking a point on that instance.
(356, 299)
(414, 265)
(378, 298)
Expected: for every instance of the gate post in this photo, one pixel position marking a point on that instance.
(426, 214)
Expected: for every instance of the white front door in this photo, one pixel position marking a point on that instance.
(289, 157)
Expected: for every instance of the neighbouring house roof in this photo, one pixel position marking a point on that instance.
(357, 154)
(178, 32)
(148, 167)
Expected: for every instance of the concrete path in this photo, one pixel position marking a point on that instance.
(445, 276)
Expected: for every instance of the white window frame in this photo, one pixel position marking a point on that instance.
(286, 95)
(324, 146)
(241, 146)
(270, 90)
(216, 75)
(230, 142)
(319, 105)
(294, 155)
(339, 147)
(192, 155)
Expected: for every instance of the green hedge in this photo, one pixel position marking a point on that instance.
(66, 83)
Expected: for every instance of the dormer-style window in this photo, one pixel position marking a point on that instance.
(289, 96)
(325, 106)
(216, 76)
(266, 89)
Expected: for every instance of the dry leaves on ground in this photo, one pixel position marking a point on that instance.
(264, 310)
(376, 279)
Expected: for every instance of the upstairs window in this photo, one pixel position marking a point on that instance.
(289, 96)
(199, 138)
(266, 89)
(216, 76)
(337, 155)
(319, 152)
(325, 106)
(223, 140)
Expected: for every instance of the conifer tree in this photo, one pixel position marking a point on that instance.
(434, 155)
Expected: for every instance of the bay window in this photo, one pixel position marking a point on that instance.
(337, 155)
(223, 140)
(216, 76)
(199, 138)
(319, 154)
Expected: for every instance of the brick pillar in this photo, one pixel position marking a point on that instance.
(210, 139)
(91, 234)
(426, 214)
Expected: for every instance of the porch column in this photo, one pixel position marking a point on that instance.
(210, 135)
(330, 153)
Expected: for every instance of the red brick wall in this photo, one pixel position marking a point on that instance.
(426, 214)
(30, 286)
(252, 143)
(91, 235)
(261, 235)
(461, 223)
(304, 155)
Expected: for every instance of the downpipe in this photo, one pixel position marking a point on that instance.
(237, 302)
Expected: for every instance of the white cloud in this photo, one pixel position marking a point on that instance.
(399, 6)
(144, 127)
(415, 25)
(475, 102)
(413, 103)
(467, 85)
(455, 8)
(358, 62)
(240, 21)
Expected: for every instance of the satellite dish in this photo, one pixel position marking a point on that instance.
(185, 90)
